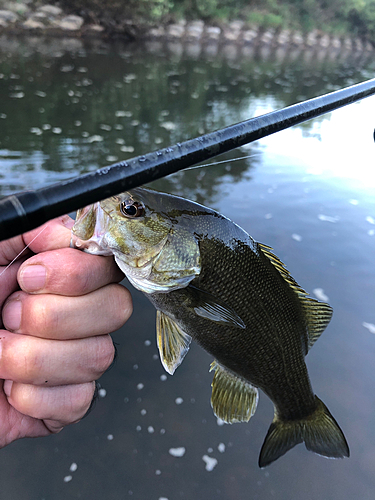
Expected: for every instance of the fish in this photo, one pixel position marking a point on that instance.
(210, 281)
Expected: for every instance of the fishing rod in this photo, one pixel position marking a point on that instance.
(24, 211)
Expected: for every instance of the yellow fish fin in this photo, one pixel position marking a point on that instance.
(319, 431)
(317, 314)
(172, 342)
(233, 399)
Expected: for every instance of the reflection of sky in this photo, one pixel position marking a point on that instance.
(341, 146)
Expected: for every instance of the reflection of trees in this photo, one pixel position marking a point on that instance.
(203, 184)
(88, 106)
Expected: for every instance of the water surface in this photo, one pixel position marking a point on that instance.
(68, 108)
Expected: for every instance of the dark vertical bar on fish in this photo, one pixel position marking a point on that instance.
(25, 211)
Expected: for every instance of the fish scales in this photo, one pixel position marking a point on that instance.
(265, 354)
(211, 282)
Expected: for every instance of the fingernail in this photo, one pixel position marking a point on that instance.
(12, 313)
(67, 221)
(8, 387)
(32, 278)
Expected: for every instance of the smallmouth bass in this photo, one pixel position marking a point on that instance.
(211, 282)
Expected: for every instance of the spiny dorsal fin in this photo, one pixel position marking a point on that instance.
(317, 314)
(173, 343)
(276, 262)
(233, 399)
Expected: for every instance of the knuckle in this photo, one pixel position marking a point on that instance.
(122, 305)
(103, 358)
(21, 359)
(80, 276)
(61, 405)
(68, 272)
(39, 315)
(40, 312)
(77, 276)
(80, 400)
(26, 399)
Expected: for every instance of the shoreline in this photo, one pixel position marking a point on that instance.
(51, 21)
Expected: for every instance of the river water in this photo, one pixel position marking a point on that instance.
(68, 107)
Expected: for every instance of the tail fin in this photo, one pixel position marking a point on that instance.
(319, 431)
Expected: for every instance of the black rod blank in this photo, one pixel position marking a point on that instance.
(27, 210)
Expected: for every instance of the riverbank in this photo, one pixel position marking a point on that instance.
(23, 18)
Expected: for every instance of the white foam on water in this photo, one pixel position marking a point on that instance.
(296, 237)
(328, 218)
(102, 393)
(177, 452)
(370, 327)
(211, 462)
(320, 295)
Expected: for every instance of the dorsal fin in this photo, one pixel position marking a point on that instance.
(317, 314)
(172, 342)
(233, 399)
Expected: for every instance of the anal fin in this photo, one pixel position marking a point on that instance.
(233, 399)
(173, 343)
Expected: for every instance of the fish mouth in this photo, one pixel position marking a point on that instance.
(88, 231)
(89, 246)
(131, 257)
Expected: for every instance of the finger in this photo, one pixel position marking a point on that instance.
(67, 271)
(31, 360)
(8, 281)
(60, 317)
(52, 235)
(57, 406)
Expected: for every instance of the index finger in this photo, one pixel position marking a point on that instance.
(51, 236)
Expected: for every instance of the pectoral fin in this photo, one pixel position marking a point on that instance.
(173, 343)
(233, 399)
(210, 307)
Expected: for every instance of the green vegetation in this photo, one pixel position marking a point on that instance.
(356, 17)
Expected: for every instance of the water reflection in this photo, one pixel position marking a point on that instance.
(68, 107)
(81, 106)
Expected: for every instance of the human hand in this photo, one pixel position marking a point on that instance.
(55, 342)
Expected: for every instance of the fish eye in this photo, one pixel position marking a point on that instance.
(132, 209)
